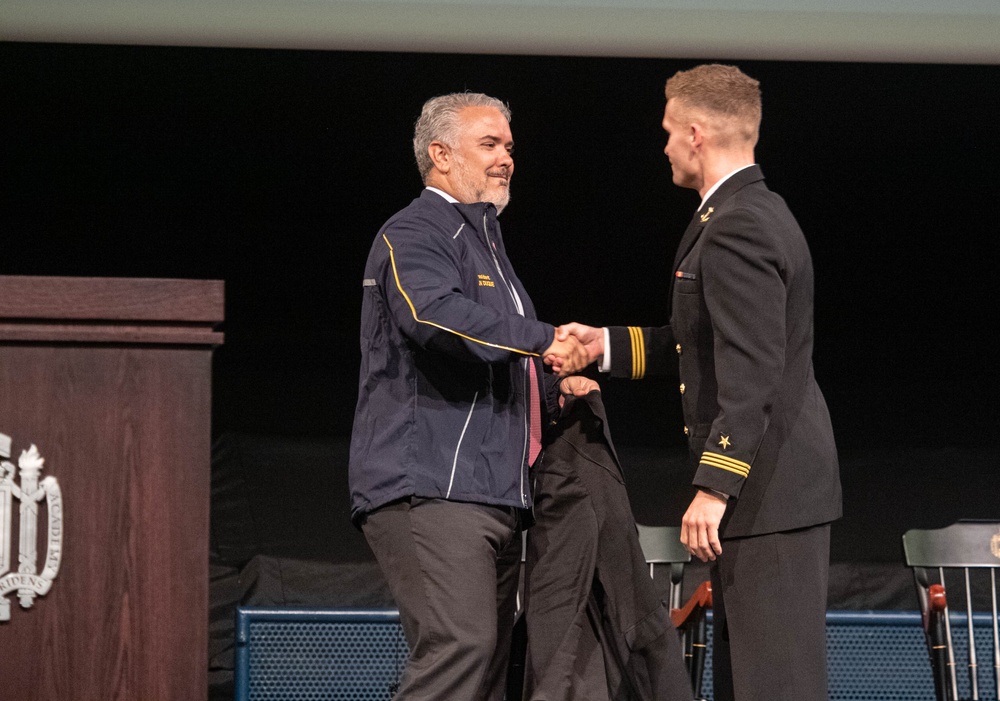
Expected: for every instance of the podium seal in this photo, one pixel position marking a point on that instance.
(30, 492)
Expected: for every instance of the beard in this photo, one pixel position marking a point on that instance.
(500, 197)
(478, 187)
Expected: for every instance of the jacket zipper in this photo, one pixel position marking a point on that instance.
(526, 375)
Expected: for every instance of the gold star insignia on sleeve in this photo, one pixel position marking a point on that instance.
(724, 441)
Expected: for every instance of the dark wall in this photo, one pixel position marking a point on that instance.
(273, 170)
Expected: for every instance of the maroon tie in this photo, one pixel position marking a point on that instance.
(534, 416)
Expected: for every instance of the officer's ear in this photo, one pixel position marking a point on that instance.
(696, 134)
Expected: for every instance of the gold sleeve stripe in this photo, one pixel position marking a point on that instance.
(638, 353)
(726, 463)
(413, 310)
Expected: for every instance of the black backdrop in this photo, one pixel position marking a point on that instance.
(272, 170)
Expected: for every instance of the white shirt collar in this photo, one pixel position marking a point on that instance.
(443, 194)
(711, 190)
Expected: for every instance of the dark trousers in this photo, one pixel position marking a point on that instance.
(597, 629)
(769, 606)
(453, 571)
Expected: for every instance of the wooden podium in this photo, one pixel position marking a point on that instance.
(111, 380)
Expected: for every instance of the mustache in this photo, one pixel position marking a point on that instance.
(499, 173)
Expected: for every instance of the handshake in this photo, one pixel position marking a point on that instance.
(575, 347)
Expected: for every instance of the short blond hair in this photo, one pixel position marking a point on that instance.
(716, 91)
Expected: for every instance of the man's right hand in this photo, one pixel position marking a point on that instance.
(591, 337)
(566, 356)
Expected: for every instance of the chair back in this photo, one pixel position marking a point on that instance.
(969, 553)
(661, 545)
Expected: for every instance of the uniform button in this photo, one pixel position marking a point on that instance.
(678, 349)
(682, 388)
(686, 431)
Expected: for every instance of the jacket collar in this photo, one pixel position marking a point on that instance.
(470, 214)
(703, 216)
(737, 180)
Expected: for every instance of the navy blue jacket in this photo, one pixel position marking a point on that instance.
(445, 353)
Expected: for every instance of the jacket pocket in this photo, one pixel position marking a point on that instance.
(687, 286)
(373, 315)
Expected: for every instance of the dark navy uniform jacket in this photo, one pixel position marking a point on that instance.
(741, 329)
(445, 354)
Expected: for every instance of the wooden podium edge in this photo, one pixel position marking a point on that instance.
(140, 311)
(142, 300)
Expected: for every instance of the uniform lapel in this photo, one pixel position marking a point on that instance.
(704, 215)
(691, 234)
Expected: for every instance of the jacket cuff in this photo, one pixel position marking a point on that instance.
(721, 473)
(628, 352)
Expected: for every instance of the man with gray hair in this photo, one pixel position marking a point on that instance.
(451, 402)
